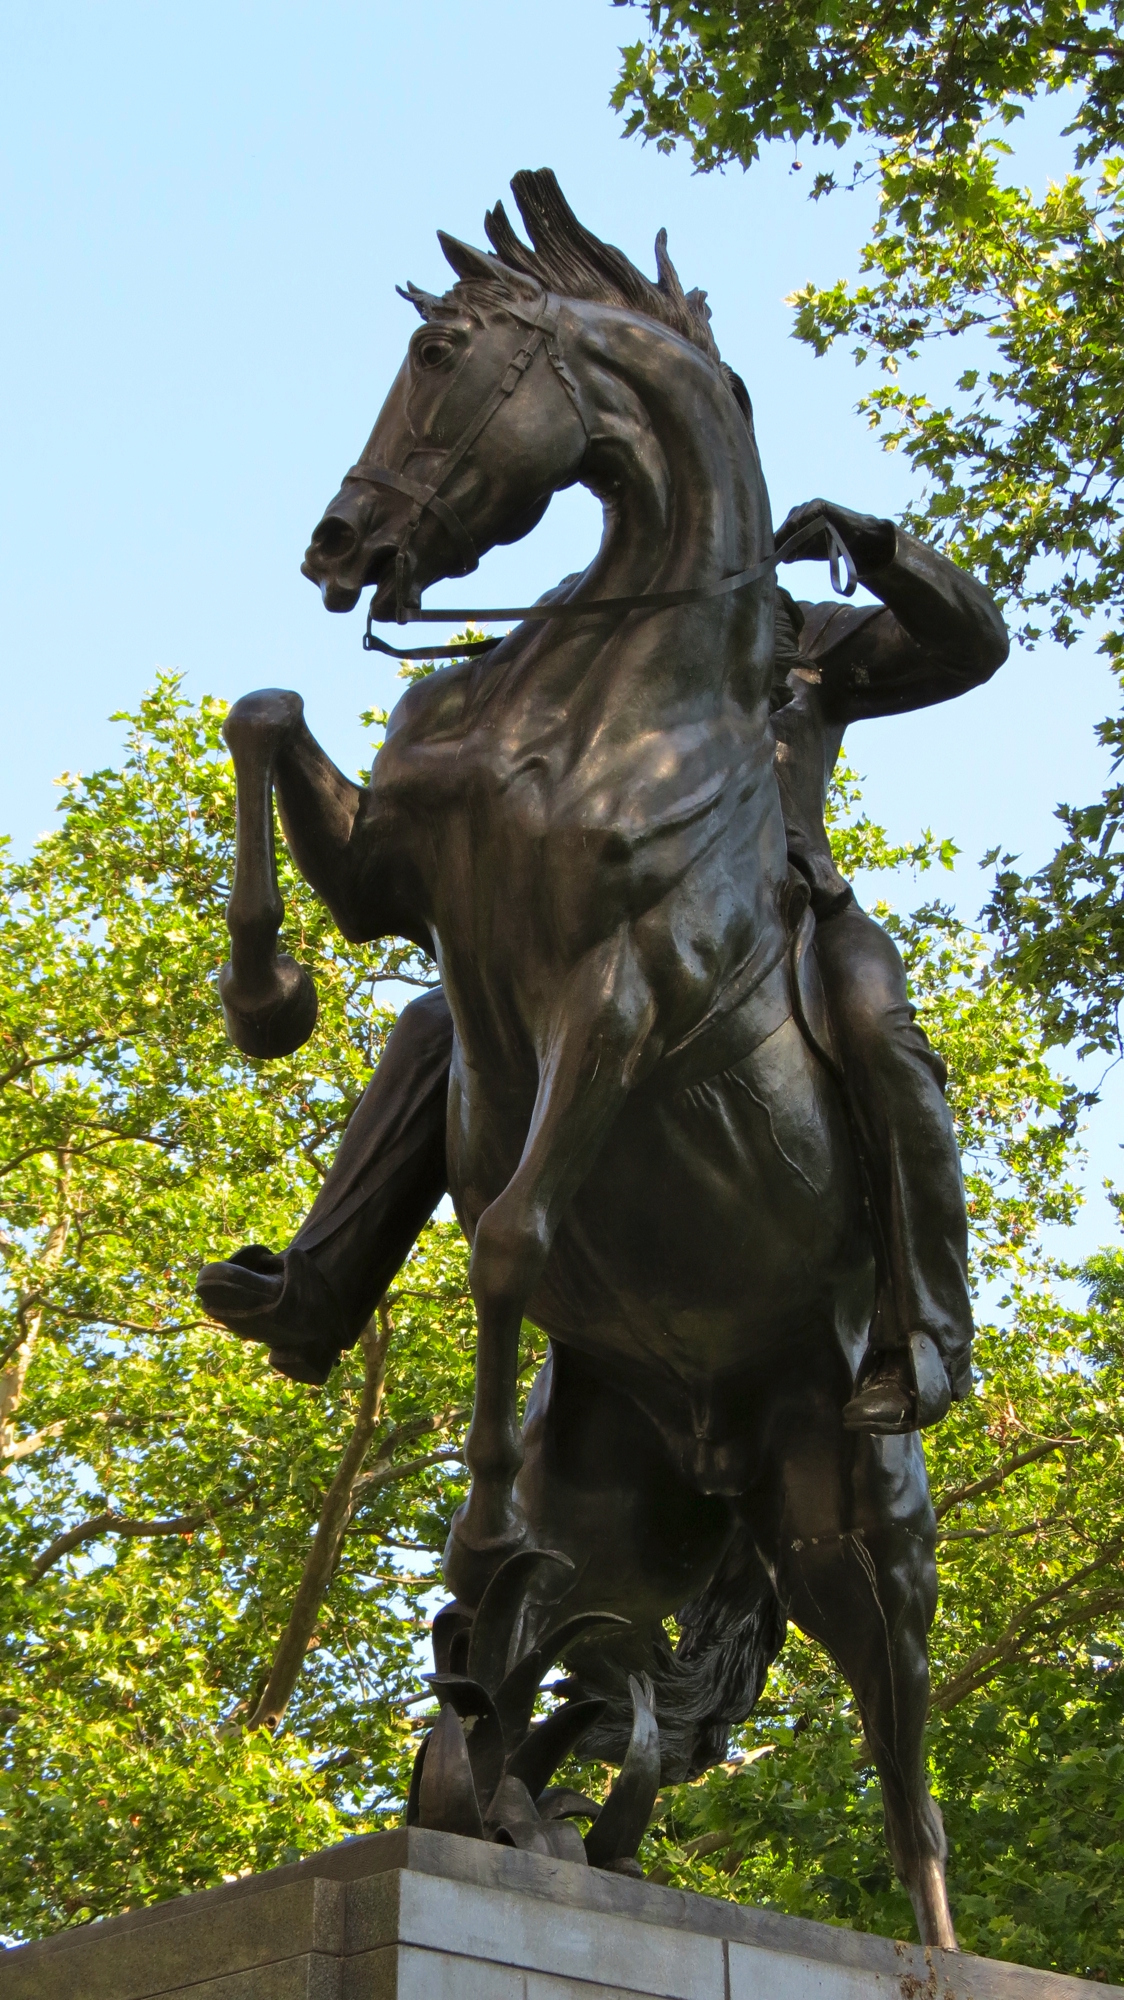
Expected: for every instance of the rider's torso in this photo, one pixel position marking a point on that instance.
(809, 739)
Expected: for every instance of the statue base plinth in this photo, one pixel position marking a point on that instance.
(412, 1915)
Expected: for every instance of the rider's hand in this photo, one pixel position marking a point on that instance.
(869, 540)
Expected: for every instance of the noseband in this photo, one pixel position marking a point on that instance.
(542, 328)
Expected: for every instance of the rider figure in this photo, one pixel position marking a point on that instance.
(934, 634)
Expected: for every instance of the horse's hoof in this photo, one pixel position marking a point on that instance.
(277, 1022)
(469, 1565)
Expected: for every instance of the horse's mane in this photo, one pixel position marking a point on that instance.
(569, 259)
(566, 258)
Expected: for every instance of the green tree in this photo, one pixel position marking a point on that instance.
(171, 1512)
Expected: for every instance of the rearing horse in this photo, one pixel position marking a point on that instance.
(647, 1153)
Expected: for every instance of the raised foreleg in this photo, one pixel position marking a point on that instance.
(343, 841)
(596, 1041)
(268, 1000)
(350, 845)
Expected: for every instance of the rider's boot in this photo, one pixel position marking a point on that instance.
(899, 1389)
(283, 1301)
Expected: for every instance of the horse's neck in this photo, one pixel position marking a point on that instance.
(674, 463)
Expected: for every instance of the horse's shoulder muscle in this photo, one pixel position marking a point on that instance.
(430, 707)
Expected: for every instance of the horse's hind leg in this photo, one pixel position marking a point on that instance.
(856, 1570)
(599, 1484)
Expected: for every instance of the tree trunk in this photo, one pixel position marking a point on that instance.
(13, 1375)
(330, 1530)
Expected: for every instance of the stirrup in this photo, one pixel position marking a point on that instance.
(899, 1389)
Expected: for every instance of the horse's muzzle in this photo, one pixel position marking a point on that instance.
(340, 566)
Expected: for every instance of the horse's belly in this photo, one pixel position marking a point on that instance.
(719, 1229)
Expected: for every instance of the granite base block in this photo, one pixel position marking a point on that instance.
(413, 1915)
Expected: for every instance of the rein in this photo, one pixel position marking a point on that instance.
(843, 582)
(542, 328)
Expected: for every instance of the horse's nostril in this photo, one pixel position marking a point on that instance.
(334, 539)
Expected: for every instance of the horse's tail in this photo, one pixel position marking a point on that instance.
(728, 1638)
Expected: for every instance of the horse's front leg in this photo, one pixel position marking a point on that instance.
(268, 1000)
(347, 843)
(598, 1036)
(351, 843)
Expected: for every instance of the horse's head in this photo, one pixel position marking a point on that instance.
(477, 433)
(485, 420)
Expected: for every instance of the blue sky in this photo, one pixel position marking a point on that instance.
(205, 212)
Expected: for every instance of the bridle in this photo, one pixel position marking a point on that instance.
(540, 330)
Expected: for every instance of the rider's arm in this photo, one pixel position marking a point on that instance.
(939, 635)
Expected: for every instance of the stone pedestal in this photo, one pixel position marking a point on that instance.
(426, 1916)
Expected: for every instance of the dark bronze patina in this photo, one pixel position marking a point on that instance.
(671, 1078)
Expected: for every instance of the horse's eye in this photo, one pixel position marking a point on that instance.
(430, 353)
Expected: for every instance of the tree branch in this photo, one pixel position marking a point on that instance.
(10, 1454)
(64, 1057)
(709, 1843)
(405, 1433)
(124, 1325)
(111, 1524)
(990, 1534)
(13, 1378)
(981, 1664)
(948, 1501)
(385, 1475)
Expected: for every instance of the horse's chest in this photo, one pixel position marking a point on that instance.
(495, 832)
(621, 820)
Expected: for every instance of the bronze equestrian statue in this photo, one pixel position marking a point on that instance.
(671, 1077)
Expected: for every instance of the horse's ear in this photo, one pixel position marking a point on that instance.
(467, 262)
(476, 265)
(424, 303)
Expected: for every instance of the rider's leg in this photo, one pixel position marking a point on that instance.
(847, 1525)
(311, 1300)
(922, 1334)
